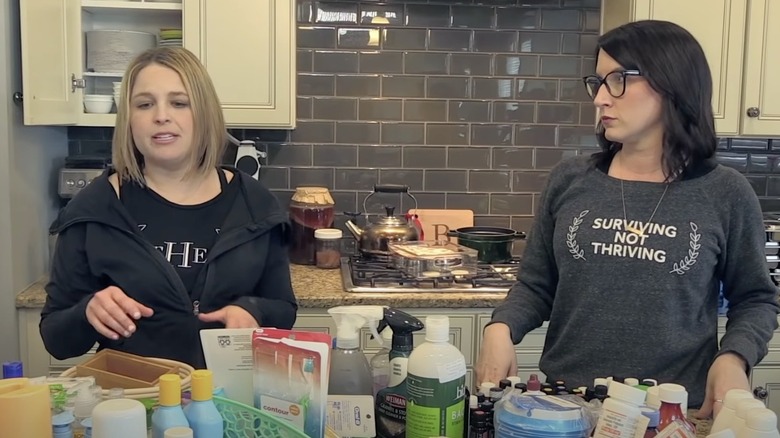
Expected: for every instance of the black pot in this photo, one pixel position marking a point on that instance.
(494, 244)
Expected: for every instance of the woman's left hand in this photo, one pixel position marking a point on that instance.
(728, 371)
(231, 316)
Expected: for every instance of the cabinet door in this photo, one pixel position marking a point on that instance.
(51, 55)
(719, 26)
(248, 47)
(765, 381)
(762, 70)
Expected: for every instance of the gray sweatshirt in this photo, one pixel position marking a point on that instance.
(643, 305)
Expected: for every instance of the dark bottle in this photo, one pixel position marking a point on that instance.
(311, 208)
(479, 425)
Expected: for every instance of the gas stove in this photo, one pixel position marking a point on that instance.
(363, 275)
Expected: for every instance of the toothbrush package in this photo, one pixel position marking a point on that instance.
(290, 378)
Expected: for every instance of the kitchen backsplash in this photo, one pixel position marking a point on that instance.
(469, 104)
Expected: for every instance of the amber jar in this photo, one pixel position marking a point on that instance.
(311, 208)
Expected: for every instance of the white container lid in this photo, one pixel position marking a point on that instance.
(178, 432)
(735, 395)
(119, 418)
(626, 393)
(631, 381)
(653, 400)
(745, 405)
(437, 328)
(762, 419)
(328, 233)
(672, 393)
(515, 380)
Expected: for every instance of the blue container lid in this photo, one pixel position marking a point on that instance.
(12, 370)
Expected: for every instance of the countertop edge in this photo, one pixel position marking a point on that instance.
(320, 289)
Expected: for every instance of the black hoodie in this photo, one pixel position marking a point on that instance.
(99, 245)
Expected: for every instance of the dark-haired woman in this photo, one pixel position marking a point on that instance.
(630, 246)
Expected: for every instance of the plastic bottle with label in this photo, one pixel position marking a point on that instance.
(169, 413)
(436, 384)
(672, 397)
(380, 363)
(202, 414)
(728, 412)
(620, 413)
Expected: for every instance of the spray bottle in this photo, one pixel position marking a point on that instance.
(391, 401)
(350, 384)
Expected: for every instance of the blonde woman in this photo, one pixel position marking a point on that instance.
(167, 242)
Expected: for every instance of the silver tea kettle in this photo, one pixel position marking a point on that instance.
(373, 239)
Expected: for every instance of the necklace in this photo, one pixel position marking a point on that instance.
(636, 230)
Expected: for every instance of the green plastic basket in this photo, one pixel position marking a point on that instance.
(242, 421)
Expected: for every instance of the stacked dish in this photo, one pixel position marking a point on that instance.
(117, 93)
(170, 38)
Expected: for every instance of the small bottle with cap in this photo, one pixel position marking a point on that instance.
(621, 412)
(62, 425)
(169, 413)
(202, 414)
(672, 397)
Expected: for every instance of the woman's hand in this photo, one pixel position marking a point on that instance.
(231, 316)
(496, 355)
(728, 371)
(112, 313)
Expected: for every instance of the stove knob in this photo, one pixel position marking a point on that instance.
(81, 183)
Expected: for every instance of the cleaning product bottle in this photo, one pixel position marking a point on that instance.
(350, 384)
(391, 401)
(436, 384)
(203, 417)
(380, 363)
(169, 414)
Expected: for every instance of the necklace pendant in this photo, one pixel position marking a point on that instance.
(639, 232)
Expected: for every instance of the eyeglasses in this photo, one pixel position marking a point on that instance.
(615, 82)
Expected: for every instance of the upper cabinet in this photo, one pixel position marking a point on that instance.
(738, 37)
(247, 46)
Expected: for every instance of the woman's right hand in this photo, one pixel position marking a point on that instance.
(497, 358)
(112, 313)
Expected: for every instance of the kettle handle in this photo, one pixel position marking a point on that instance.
(391, 188)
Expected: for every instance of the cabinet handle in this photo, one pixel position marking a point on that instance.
(753, 112)
(18, 98)
(760, 393)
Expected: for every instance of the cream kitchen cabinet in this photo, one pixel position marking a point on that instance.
(741, 40)
(247, 46)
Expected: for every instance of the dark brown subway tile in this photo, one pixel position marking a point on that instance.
(358, 86)
(424, 157)
(403, 133)
(332, 155)
(448, 87)
(446, 134)
(356, 179)
(316, 85)
(536, 89)
(379, 156)
(316, 37)
(380, 109)
(548, 158)
(303, 107)
(425, 110)
(311, 131)
(404, 39)
(468, 158)
(329, 108)
(335, 62)
(320, 177)
(290, 155)
(560, 66)
(539, 42)
(473, 17)
(529, 181)
(413, 178)
(403, 86)
(450, 40)
(419, 15)
(357, 132)
(445, 180)
(562, 19)
(303, 61)
(489, 88)
(491, 134)
(513, 158)
(471, 64)
(275, 177)
(495, 41)
(479, 203)
(491, 181)
(514, 204)
(514, 112)
(469, 111)
(381, 62)
(518, 18)
(516, 65)
(558, 113)
(535, 135)
(425, 63)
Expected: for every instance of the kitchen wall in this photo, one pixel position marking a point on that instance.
(469, 104)
(29, 160)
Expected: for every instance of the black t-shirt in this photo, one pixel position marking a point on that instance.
(184, 234)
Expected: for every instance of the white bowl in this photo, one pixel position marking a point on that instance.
(98, 106)
(97, 98)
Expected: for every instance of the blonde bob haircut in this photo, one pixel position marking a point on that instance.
(209, 136)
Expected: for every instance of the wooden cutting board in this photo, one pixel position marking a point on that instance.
(436, 222)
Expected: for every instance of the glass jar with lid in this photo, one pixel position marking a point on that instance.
(328, 242)
(311, 208)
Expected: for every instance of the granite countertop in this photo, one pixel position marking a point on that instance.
(321, 289)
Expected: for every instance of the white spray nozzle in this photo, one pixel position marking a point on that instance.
(349, 320)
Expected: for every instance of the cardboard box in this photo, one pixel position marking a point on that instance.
(116, 369)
